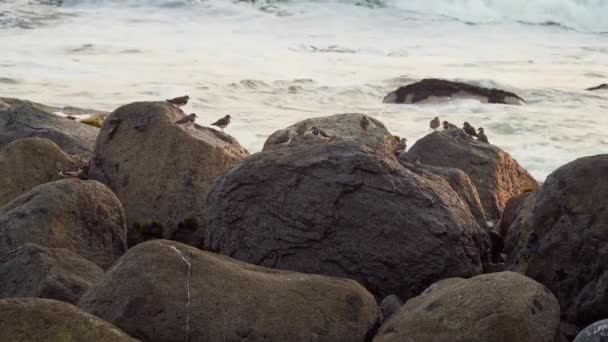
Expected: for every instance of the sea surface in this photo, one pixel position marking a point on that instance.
(272, 63)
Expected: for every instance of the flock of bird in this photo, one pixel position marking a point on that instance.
(285, 138)
(467, 128)
(81, 169)
(188, 121)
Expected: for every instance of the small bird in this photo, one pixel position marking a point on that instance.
(187, 122)
(179, 101)
(468, 129)
(435, 123)
(283, 139)
(481, 136)
(402, 146)
(449, 126)
(71, 117)
(365, 123)
(223, 122)
(318, 131)
(70, 173)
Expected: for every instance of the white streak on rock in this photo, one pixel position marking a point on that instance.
(188, 288)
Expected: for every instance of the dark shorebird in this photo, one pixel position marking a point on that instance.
(187, 122)
(365, 123)
(179, 101)
(320, 132)
(481, 136)
(402, 146)
(435, 123)
(223, 122)
(283, 139)
(449, 126)
(468, 129)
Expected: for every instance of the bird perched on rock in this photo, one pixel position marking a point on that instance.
(223, 122)
(481, 136)
(402, 146)
(187, 122)
(365, 123)
(448, 126)
(468, 129)
(75, 172)
(435, 123)
(179, 101)
(320, 132)
(283, 139)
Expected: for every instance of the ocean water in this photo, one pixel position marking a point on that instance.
(272, 63)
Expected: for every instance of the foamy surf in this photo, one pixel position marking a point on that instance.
(270, 64)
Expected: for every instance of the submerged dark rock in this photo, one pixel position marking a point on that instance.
(432, 89)
(600, 87)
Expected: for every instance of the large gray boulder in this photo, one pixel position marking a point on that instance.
(29, 162)
(82, 216)
(23, 119)
(166, 291)
(339, 127)
(560, 239)
(55, 273)
(341, 209)
(496, 175)
(33, 319)
(491, 307)
(160, 172)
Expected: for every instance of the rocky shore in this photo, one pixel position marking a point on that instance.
(176, 235)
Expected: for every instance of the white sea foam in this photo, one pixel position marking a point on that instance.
(272, 65)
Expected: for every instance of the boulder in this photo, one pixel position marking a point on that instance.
(340, 209)
(55, 273)
(82, 216)
(166, 291)
(23, 119)
(491, 307)
(462, 185)
(33, 319)
(29, 162)
(596, 332)
(496, 175)
(160, 172)
(510, 212)
(340, 127)
(389, 306)
(560, 239)
(432, 90)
